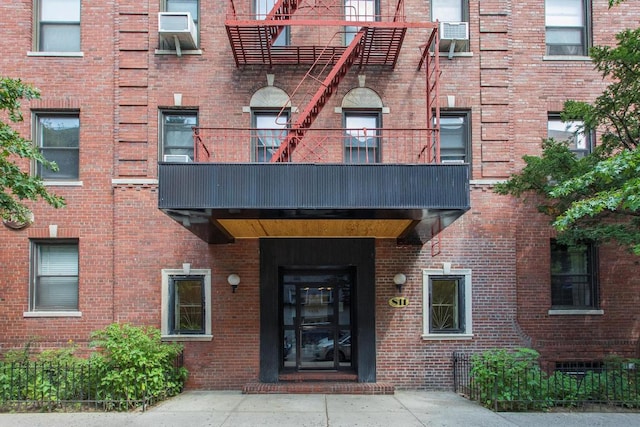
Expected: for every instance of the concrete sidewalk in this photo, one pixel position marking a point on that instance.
(233, 409)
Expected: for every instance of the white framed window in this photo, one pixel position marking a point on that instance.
(57, 135)
(57, 27)
(455, 136)
(447, 304)
(362, 136)
(54, 277)
(186, 305)
(176, 133)
(270, 130)
(359, 11)
(567, 27)
(580, 141)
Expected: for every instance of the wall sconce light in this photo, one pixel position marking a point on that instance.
(399, 279)
(234, 281)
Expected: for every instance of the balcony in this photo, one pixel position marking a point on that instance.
(259, 35)
(380, 183)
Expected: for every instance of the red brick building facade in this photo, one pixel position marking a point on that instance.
(106, 72)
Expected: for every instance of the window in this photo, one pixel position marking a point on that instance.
(54, 282)
(190, 6)
(262, 9)
(186, 304)
(447, 304)
(270, 131)
(177, 133)
(453, 12)
(358, 10)
(186, 308)
(57, 25)
(455, 137)
(57, 135)
(362, 139)
(580, 142)
(567, 27)
(573, 276)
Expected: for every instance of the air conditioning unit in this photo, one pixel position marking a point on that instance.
(177, 31)
(454, 36)
(177, 158)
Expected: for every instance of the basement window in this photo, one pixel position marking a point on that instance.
(186, 305)
(447, 304)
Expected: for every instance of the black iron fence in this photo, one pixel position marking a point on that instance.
(521, 385)
(47, 386)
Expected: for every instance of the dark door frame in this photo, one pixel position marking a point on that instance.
(358, 253)
(334, 325)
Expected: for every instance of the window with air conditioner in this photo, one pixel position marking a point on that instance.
(57, 26)
(178, 25)
(176, 135)
(453, 16)
(567, 27)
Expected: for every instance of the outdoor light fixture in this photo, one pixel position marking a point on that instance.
(234, 281)
(399, 279)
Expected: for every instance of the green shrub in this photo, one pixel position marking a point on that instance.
(504, 380)
(131, 365)
(136, 364)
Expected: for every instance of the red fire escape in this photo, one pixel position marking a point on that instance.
(377, 40)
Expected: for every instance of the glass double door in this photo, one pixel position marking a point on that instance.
(316, 313)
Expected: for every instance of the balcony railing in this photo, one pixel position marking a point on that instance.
(327, 10)
(242, 145)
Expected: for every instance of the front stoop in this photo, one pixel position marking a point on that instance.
(318, 383)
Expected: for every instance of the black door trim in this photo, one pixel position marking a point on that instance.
(358, 253)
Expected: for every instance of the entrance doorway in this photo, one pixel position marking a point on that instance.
(316, 318)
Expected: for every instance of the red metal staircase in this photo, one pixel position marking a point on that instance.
(282, 11)
(378, 42)
(318, 101)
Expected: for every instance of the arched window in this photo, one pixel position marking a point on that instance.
(362, 120)
(270, 112)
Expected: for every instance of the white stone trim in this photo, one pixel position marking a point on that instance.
(164, 328)
(468, 299)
